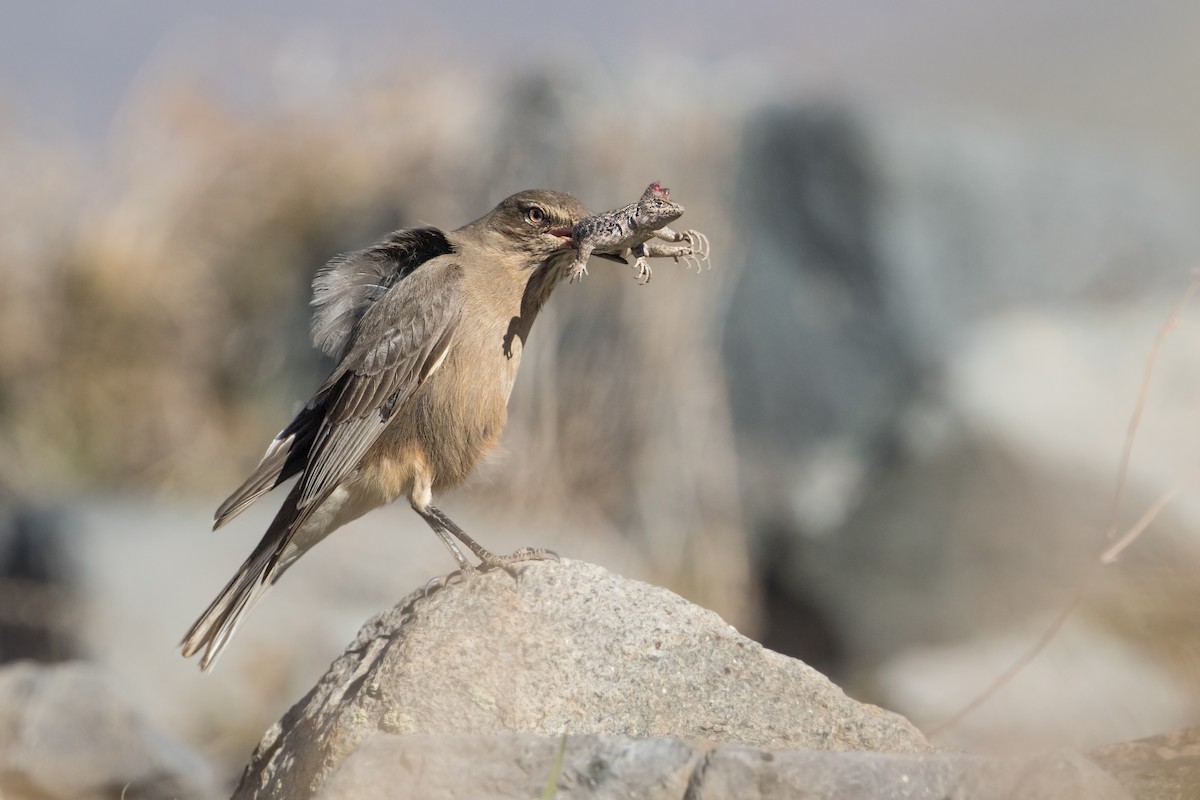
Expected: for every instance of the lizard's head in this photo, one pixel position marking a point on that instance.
(654, 210)
(656, 189)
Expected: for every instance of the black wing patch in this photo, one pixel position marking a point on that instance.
(351, 283)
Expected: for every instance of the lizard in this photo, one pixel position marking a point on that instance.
(626, 232)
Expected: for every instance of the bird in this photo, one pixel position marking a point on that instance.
(426, 328)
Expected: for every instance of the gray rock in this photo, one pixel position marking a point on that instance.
(739, 772)
(1163, 767)
(874, 239)
(933, 353)
(603, 767)
(65, 732)
(567, 649)
(512, 765)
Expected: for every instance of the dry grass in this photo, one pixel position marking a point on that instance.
(155, 325)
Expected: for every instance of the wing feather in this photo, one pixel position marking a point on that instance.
(396, 346)
(352, 283)
(354, 293)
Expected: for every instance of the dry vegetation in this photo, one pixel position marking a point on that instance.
(153, 326)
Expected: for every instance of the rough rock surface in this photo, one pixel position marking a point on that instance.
(66, 732)
(523, 765)
(1165, 767)
(569, 648)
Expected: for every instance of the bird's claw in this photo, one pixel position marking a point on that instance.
(508, 563)
(433, 585)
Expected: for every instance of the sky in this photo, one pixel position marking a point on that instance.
(1121, 69)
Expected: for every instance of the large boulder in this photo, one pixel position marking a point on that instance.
(565, 648)
(613, 767)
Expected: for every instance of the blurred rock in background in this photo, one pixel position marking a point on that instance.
(38, 590)
(933, 350)
(882, 429)
(68, 732)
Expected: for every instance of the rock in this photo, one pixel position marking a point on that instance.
(997, 528)
(118, 546)
(513, 765)
(874, 239)
(524, 765)
(1115, 691)
(881, 250)
(39, 604)
(1156, 768)
(828, 776)
(567, 649)
(65, 732)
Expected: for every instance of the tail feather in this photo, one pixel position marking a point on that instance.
(221, 620)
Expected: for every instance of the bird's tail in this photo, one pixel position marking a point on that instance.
(220, 621)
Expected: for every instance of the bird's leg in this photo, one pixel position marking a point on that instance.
(444, 527)
(445, 530)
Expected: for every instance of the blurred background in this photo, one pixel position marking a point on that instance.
(881, 434)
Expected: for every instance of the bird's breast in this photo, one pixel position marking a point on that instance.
(459, 413)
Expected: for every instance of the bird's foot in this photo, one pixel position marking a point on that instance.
(490, 561)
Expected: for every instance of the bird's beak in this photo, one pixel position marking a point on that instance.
(562, 233)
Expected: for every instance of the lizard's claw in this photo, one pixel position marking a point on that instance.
(699, 244)
(642, 265)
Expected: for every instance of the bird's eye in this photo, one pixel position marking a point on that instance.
(535, 215)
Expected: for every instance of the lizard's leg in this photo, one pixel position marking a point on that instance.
(641, 264)
(697, 246)
(696, 240)
(678, 252)
(579, 267)
(669, 235)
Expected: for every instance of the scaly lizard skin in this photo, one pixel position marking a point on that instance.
(627, 231)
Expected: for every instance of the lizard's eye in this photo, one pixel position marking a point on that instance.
(535, 215)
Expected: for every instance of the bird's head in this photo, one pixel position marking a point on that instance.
(538, 221)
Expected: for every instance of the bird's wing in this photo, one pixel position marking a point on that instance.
(397, 344)
(351, 283)
(286, 456)
(345, 292)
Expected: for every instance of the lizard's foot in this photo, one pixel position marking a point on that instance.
(642, 265)
(699, 244)
(577, 271)
(490, 561)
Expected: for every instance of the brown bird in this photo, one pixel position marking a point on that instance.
(427, 328)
